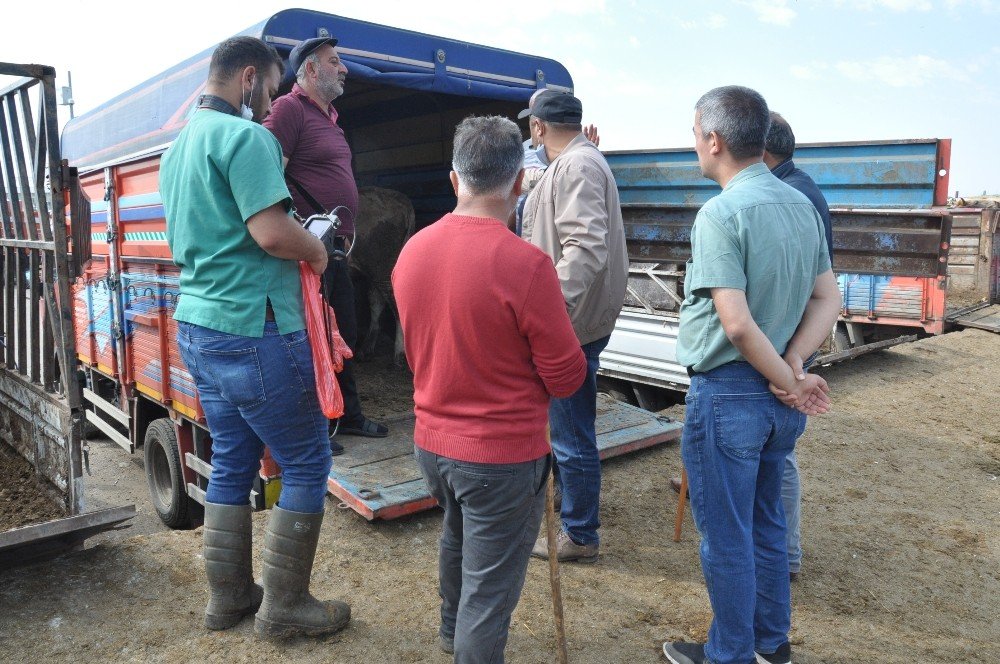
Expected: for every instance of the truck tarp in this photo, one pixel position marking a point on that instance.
(148, 117)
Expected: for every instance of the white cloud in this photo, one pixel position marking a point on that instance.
(894, 5)
(634, 41)
(808, 72)
(776, 12)
(716, 21)
(713, 22)
(572, 7)
(985, 5)
(899, 72)
(906, 5)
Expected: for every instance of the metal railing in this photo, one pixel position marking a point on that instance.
(39, 390)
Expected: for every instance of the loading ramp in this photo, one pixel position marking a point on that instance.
(380, 479)
(982, 316)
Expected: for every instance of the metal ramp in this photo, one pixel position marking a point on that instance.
(41, 541)
(983, 316)
(379, 478)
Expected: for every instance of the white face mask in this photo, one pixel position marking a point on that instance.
(540, 153)
(245, 111)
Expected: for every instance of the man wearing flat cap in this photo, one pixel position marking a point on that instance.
(535, 161)
(574, 215)
(318, 169)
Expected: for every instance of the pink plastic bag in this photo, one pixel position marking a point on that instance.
(329, 350)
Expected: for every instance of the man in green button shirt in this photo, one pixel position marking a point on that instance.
(241, 334)
(760, 297)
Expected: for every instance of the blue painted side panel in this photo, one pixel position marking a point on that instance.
(881, 296)
(885, 174)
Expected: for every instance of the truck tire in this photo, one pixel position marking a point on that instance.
(618, 390)
(166, 483)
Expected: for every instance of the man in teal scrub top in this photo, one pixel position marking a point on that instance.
(241, 333)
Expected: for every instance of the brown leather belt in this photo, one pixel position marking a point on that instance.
(269, 314)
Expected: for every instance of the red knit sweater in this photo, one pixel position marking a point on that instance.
(488, 338)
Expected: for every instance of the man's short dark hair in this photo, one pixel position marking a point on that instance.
(780, 139)
(487, 155)
(237, 53)
(563, 126)
(738, 115)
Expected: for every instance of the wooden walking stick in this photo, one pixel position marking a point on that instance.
(557, 605)
(682, 497)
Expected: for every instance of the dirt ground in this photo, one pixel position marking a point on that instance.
(901, 505)
(384, 390)
(24, 499)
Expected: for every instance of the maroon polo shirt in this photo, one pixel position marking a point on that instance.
(318, 155)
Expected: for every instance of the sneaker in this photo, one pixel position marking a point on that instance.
(566, 549)
(783, 655)
(681, 652)
(793, 577)
(447, 645)
(336, 449)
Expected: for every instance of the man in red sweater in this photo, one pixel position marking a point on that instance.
(489, 342)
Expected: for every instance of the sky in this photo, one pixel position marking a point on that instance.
(838, 70)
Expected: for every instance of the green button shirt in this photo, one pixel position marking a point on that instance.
(760, 236)
(220, 171)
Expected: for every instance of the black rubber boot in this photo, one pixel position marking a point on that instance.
(228, 566)
(288, 609)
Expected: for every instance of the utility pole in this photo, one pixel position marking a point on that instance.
(67, 94)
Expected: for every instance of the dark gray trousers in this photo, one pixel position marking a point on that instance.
(492, 513)
(339, 293)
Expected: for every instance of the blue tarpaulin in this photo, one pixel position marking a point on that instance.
(149, 116)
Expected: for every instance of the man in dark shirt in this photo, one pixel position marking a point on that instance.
(317, 162)
(778, 150)
(778, 157)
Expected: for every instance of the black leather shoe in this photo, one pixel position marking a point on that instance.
(364, 427)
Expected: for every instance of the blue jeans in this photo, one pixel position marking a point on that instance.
(791, 501)
(574, 444)
(736, 438)
(492, 513)
(259, 391)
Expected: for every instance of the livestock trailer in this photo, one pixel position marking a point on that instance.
(404, 96)
(891, 242)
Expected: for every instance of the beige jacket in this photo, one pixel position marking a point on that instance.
(573, 214)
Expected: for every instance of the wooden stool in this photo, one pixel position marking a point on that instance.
(681, 500)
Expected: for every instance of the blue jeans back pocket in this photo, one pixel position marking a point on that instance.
(743, 422)
(237, 375)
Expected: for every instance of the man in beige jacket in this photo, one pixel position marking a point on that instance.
(573, 214)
